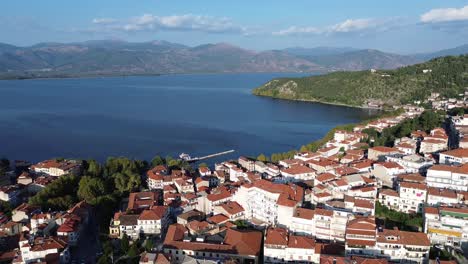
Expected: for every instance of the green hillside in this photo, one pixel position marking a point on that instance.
(449, 76)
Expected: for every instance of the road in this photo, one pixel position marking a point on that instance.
(88, 244)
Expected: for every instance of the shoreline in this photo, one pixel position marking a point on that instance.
(320, 102)
(21, 78)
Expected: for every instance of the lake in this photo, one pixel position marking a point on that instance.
(140, 117)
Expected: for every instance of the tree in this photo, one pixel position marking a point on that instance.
(262, 157)
(6, 208)
(157, 160)
(203, 165)
(149, 245)
(124, 244)
(4, 166)
(104, 259)
(61, 194)
(93, 168)
(303, 149)
(90, 189)
(133, 251)
(127, 181)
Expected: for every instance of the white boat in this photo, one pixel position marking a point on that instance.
(185, 156)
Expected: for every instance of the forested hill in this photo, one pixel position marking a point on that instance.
(447, 75)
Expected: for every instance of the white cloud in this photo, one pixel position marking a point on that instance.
(104, 20)
(348, 26)
(352, 25)
(445, 15)
(294, 30)
(186, 22)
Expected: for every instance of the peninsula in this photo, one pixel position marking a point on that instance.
(375, 88)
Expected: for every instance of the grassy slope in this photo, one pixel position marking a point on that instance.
(449, 76)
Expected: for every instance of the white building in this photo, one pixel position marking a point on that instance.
(411, 163)
(298, 173)
(410, 197)
(57, 168)
(153, 221)
(436, 197)
(268, 202)
(403, 246)
(282, 247)
(448, 177)
(42, 248)
(454, 156)
(446, 225)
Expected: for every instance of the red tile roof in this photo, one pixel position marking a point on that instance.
(304, 213)
(240, 242)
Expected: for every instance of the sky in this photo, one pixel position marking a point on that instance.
(400, 26)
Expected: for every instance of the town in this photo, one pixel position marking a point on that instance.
(389, 190)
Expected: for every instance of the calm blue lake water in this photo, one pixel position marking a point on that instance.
(140, 117)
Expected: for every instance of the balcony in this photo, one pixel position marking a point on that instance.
(416, 249)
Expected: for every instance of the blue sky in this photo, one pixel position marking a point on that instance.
(396, 26)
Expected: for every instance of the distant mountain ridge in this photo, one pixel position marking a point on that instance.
(115, 57)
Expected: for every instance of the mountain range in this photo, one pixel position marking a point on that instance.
(112, 57)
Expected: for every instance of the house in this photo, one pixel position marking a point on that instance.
(323, 165)
(306, 156)
(40, 183)
(44, 249)
(410, 197)
(298, 173)
(268, 202)
(139, 201)
(154, 258)
(386, 172)
(448, 177)
(204, 171)
(287, 163)
(360, 206)
(328, 151)
(43, 223)
(153, 221)
(237, 245)
(361, 237)
(282, 247)
(184, 185)
(206, 203)
(402, 246)
(126, 224)
(436, 197)
(363, 165)
(186, 217)
(24, 212)
(25, 178)
(246, 163)
(57, 168)
(454, 156)
(406, 145)
(155, 177)
(235, 173)
(436, 141)
(74, 222)
(378, 153)
(231, 209)
(446, 225)
(10, 193)
(302, 221)
(412, 163)
(324, 178)
(432, 146)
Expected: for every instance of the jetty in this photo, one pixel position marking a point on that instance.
(188, 158)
